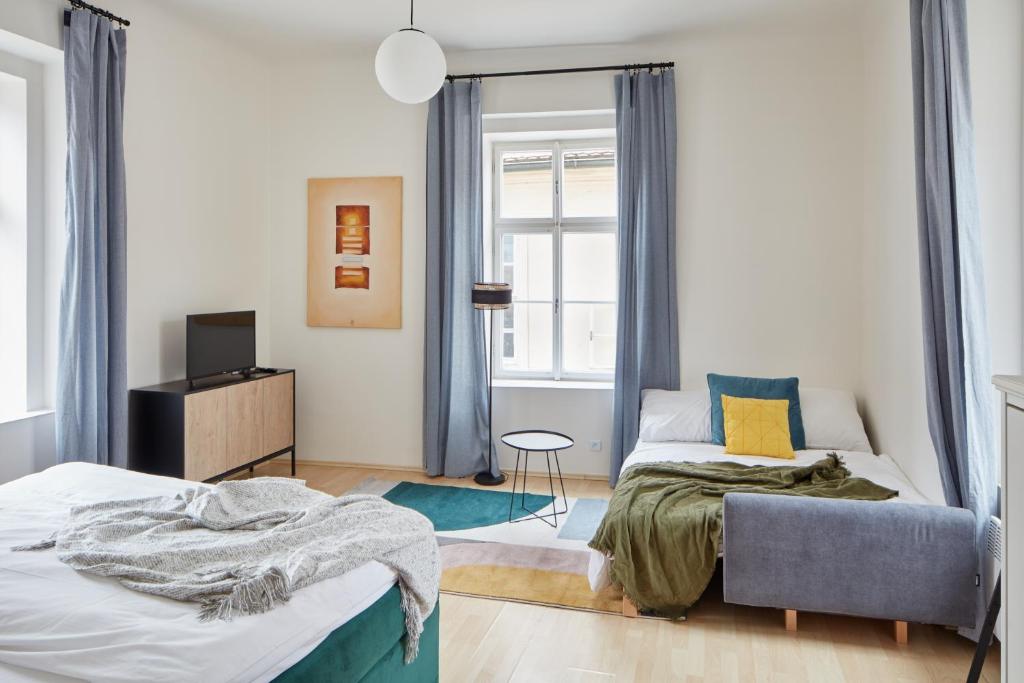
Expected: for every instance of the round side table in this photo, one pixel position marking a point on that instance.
(537, 441)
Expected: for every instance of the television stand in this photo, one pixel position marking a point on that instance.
(212, 429)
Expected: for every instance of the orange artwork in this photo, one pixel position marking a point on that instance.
(352, 240)
(352, 215)
(352, 278)
(342, 214)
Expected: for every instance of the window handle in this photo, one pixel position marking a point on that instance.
(556, 306)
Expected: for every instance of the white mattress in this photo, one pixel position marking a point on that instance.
(58, 625)
(880, 469)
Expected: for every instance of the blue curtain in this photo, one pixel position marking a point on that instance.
(455, 368)
(647, 352)
(956, 346)
(92, 385)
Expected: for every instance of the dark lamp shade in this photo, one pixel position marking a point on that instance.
(491, 296)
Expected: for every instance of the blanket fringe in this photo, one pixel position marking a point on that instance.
(413, 623)
(45, 544)
(252, 594)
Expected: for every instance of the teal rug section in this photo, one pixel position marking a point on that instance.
(452, 508)
(584, 518)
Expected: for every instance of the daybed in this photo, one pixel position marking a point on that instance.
(57, 624)
(906, 559)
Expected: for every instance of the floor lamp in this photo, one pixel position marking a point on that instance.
(491, 296)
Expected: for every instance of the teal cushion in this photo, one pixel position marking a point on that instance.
(756, 387)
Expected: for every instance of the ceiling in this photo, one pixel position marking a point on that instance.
(337, 25)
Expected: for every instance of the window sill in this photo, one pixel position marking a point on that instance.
(552, 384)
(27, 415)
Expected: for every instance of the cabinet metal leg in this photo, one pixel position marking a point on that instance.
(293, 462)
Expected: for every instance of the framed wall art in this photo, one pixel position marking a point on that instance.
(354, 253)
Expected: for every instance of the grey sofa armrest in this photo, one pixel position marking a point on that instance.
(882, 560)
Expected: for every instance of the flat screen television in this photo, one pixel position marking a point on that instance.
(216, 343)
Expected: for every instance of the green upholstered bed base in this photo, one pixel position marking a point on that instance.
(371, 648)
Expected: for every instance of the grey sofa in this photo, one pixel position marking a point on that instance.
(882, 560)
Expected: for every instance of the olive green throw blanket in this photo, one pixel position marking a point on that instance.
(664, 521)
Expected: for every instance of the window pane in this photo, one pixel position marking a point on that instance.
(526, 184)
(588, 266)
(588, 338)
(508, 349)
(531, 339)
(530, 269)
(588, 182)
(507, 252)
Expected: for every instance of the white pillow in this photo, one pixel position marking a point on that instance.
(676, 416)
(831, 421)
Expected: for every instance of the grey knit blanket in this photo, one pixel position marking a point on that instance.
(243, 547)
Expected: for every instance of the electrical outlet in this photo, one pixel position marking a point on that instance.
(595, 444)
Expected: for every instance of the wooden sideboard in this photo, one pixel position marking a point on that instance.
(213, 428)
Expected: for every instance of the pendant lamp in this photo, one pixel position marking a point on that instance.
(410, 64)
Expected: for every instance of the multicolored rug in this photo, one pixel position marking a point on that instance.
(486, 556)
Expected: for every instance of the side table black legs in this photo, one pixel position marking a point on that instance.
(550, 518)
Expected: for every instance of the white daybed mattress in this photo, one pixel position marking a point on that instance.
(880, 469)
(58, 625)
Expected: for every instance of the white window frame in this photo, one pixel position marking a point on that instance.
(557, 225)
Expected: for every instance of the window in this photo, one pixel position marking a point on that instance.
(13, 243)
(554, 221)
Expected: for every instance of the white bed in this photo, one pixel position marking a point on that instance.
(880, 469)
(59, 625)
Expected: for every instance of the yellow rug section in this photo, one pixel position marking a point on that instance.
(522, 584)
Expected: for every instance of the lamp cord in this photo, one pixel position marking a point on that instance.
(410, 12)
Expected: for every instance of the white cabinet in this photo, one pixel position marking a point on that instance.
(1012, 513)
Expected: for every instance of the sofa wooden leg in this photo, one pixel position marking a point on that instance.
(629, 608)
(900, 632)
(791, 620)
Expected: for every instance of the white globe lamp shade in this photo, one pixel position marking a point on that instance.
(410, 66)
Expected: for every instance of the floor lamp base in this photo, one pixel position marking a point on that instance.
(488, 479)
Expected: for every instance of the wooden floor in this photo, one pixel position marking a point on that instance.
(493, 640)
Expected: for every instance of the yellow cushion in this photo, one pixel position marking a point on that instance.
(756, 426)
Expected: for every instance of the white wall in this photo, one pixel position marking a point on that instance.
(797, 233)
(584, 414)
(995, 34)
(893, 382)
(196, 156)
(38, 20)
(27, 445)
(769, 184)
(359, 395)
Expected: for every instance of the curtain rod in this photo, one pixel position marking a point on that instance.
(575, 70)
(101, 12)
